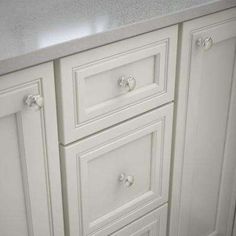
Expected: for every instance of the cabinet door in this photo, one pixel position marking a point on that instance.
(205, 142)
(30, 192)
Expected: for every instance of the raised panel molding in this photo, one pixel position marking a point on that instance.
(85, 76)
(152, 196)
(76, 159)
(84, 115)
(35, 87)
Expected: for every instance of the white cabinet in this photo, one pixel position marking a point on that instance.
(104, 86)
(115, 112)
(30, 187)
(117, 176)
(203, 199)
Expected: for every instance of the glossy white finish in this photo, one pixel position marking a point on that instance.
(152, 224)
(203, 196)
(34, 31)
(30, 186)
(100, 204)
(89, 93)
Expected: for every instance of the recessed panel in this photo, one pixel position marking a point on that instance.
(104, 86)
(98, 91)
(106, 192)
(12, 201)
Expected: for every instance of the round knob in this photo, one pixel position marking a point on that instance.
(34, 101)
(127, 180)
(127, 82)
(206, 43)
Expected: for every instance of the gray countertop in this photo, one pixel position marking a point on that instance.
(36, 31)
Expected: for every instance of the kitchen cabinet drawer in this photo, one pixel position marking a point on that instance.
(153, 224)
(101, 87)
(116, 176)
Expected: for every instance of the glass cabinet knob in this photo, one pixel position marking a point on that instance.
(127, 82)
(205, 44)
(127, 180)
(34, 101)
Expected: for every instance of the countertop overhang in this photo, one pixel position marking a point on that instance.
(33, 32)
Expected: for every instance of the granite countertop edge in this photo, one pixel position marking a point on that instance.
(92, 41)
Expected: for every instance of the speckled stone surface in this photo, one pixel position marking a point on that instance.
(36, 31)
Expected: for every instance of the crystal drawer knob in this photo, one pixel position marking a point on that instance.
(206, 43)
(34, 101)
(127, 82)
(127, 180)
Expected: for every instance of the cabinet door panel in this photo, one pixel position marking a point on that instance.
(12, 205)
(30, 192)
(98, 200)
(205, 129)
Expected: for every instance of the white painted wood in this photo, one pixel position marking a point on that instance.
(96, 202)
(153, 224)
(89, 95)
(205, 139)
(30, 186)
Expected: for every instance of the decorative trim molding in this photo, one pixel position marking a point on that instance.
(152, 197)
(76, 90)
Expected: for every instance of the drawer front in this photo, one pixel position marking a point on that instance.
(104, 86)
(118, 175)
(153, 224)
